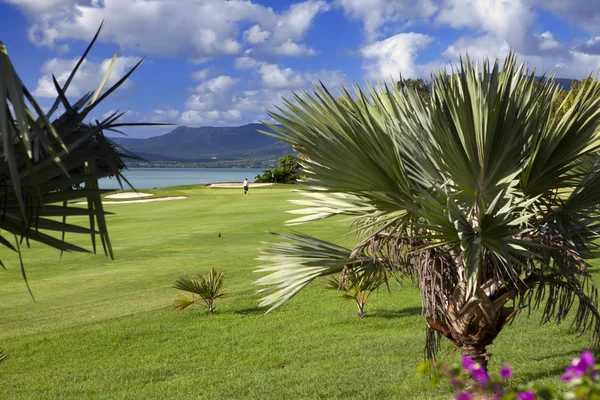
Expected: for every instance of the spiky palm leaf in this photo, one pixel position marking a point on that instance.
(484, 188)
(208, 288)
(44, 162)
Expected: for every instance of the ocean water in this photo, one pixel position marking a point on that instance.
(148, 178)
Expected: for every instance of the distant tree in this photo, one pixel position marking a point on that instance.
(287, 171)
(422, 87)
(576, 88)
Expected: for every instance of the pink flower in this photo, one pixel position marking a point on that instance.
(506, 372)
(586, 361)
(480, 375)
(467, 363)
(579, 366)
(528, 395)
(464, 396)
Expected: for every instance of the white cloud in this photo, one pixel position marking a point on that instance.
(210, 117)
(201, 74)
(585, 13)
(216, 102)
(592, 46)
(255, 35)
(219, 85)
(477, 48)
(507, 19)
(194, 29)
(394, 56)
(275, 77)
(289, 48)
(376, 13)
(87, 78)
(244, 62)
(547, 41)
(165, 115)
(564, 64)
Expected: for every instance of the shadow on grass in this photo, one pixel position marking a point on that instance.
(391, 314)
(559, 355)
(252, 311)
(550, 372)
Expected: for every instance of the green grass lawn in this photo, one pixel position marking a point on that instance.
(104, 329)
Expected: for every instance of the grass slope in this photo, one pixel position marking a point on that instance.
(103, 329)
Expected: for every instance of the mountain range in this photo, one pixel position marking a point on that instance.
(207, 144)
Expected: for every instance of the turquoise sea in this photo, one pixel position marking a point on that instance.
(148, 178)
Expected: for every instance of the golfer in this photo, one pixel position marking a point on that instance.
(246, 187)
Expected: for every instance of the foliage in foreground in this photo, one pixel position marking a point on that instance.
(474, 382)
(46, 165)
(484, 196)
(208, 289)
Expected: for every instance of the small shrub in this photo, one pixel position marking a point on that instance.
(357, 286)
(208, 289)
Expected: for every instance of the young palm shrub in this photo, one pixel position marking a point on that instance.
(208, 289)
(484, 196)
(46, 165)
(357, 286)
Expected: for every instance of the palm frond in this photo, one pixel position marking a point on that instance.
(46, 163)
(299, 261)
(183, 301)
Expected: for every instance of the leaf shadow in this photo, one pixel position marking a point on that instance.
(251, 311)
(392, 314)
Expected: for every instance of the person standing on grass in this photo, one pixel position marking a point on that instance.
(245, 186)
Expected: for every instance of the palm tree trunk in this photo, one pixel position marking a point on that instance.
(477, 353)
(361, 307)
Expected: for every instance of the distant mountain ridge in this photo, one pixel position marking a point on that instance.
(205, 143)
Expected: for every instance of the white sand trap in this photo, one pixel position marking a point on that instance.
(236, 185)
(141, 201)
(127, 195)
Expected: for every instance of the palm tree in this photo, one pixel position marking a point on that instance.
(46, 165)
(357, 286)
(485, 197)
(208, 289)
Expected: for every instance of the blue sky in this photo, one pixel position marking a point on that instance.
(219, 62)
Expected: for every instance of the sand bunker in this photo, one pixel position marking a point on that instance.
(127, 195)
(141, 201)
(236, 185)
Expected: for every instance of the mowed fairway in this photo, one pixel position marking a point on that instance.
(104, 329)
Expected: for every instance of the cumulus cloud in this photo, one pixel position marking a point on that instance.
(255, 35)
(88, 76)
(219, 85)
(568, 63)
(201, 74)
(585, 13)
(591, 46)
(507, 19)
(194, 29)
(244, 62)
(395, 55)
(274, 76)
(217, 102)
(376, 13)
